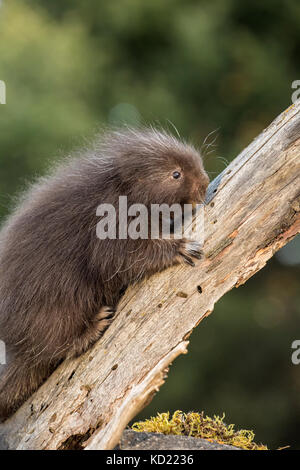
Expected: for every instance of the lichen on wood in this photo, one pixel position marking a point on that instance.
(198, 425)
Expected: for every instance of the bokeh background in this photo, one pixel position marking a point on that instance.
(225, 66)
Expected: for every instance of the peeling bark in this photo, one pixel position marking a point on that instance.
(253, 209)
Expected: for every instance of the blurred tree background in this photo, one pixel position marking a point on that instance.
(202, 66)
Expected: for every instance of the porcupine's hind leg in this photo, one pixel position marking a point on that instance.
(93, 332)
(18, 380)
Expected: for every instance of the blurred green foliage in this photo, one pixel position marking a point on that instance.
(72, 66)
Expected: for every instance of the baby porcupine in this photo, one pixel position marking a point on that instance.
(60, 283)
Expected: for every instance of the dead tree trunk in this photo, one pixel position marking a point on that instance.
(253, 210)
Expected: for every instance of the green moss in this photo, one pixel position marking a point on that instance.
(199, 425)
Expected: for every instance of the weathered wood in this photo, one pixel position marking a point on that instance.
(253, 209)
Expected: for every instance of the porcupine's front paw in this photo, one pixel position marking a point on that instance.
(189, 249)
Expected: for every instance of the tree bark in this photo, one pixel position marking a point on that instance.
(252, 210)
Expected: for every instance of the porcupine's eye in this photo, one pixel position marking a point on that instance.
(176, 175)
